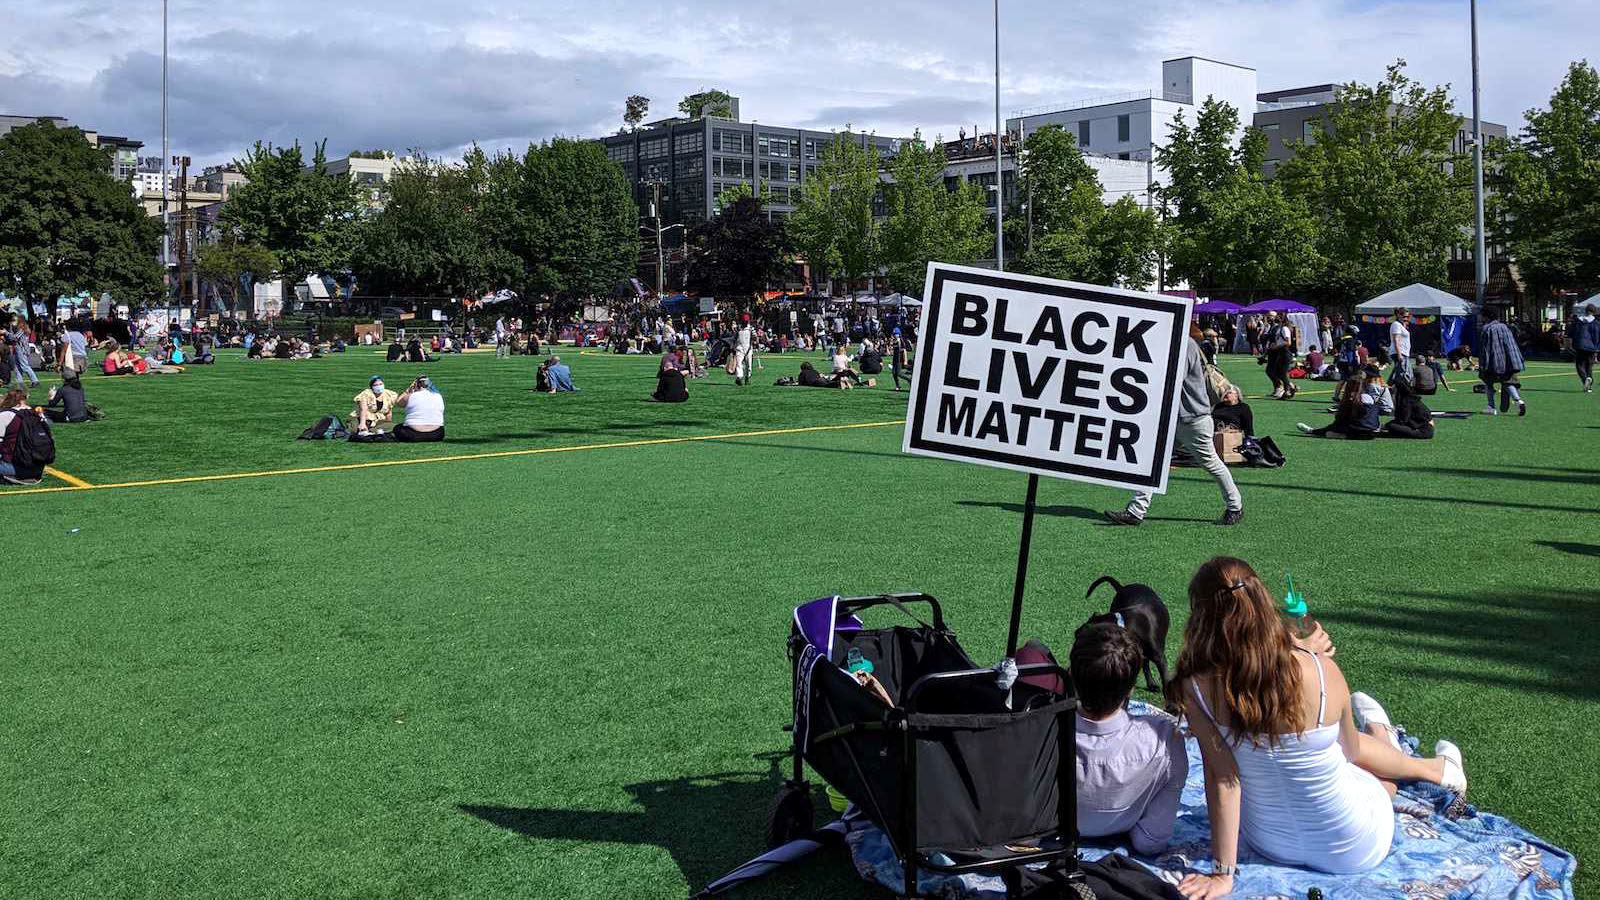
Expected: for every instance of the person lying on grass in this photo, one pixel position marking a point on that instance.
(810, 377)
(1286, 768)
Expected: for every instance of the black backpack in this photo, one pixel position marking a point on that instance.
(328, 428)
(36, 446)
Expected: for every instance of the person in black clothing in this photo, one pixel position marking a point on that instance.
(67, 403)
(810, 377)
(415, 353)
(1412, 418)
(670, 386)
(1232, 410)
(898, 367)
(1356, 416)
(396, 351)
(871, 360)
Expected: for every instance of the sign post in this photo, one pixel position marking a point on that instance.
(1047, 377)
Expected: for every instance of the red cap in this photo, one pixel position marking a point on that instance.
(745, 317)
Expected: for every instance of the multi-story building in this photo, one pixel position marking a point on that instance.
(1130, 126)
(692, 161)
(369, 172)
(124, 151)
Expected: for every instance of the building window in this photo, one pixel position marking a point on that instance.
(620, 152)
(729, 141)
(655, 149)
(778, 193)
(693, 142)
(1122, 156)
(1124, 129)
(811, 148)
(1083, 133)
(1309, 130)
(1270, 128)
(952, 183)
(771, 145)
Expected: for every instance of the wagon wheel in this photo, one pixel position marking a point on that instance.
(792, 814)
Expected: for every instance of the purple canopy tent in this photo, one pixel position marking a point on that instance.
(1301, 316)
(1277, 304)
(1215, 307)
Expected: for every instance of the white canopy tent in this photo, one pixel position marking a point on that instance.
(1416, 297)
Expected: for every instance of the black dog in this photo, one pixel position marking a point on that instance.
(1138, 608)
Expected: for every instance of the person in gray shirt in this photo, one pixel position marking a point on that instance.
(1195, 429)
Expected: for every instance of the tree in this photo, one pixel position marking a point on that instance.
(577, 227)
(67, 225)
(833, 222)
(1390, 195)
(429, 239)
(305, 215)
(927, 221)
(1230, 228)
(1547, 188)
(707, 103)
(738, 252)
(634, 109)
(1068, 231)
(232, 265)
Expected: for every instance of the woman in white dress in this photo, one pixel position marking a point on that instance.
(1285, 766)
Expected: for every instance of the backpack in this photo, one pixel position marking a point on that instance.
(36, 446)
(1217, 383)
(328, 428)
(1424, 380)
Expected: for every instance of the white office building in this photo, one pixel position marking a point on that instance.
(1129, 126)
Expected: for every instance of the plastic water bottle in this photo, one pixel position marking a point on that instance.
(1295, 611)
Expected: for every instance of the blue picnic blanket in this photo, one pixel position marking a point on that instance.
(1444, 849)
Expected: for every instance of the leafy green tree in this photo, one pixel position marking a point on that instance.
(305, 215)
(833, 223)
(738, 252)
(927, 221)
(1230, 228)
(634, 109)
(232, 265)
(1390, 194)
(1547, 188)
(67, 225)
(1068, 231)
(707, 103)
(429, 239)
(577, 227)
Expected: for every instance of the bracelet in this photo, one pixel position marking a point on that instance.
(1220, 869)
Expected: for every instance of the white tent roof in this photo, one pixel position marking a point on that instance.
(1415, 297)
(1595, 300)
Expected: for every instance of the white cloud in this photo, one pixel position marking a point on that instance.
(410, 73)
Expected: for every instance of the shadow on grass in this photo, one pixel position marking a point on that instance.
(1523, 640)
(763, 445)
(1453, 501)
(1550, 477)
(1059, 510)
(708, 823)
(1569, 547)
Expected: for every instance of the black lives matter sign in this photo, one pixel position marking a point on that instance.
(1071, 380)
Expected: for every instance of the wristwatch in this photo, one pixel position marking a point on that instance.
(1220, 869)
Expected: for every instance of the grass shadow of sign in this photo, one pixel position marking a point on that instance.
(709, 824)
(1569, 547)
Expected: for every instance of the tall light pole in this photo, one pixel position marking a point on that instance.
(1480, 258)
(999, 170)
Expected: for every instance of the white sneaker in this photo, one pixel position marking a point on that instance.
(1455, 776)
(1369, 712)
(1304, 428)
(1490, 411)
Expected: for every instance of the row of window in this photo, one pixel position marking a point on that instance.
(1124, 130)
(732, 167)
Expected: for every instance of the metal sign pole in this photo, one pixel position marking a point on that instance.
(1022, 564)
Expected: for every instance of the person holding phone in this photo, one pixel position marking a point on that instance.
(424, 409)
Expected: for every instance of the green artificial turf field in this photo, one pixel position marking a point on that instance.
(563, 674)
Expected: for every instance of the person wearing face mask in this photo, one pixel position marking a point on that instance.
(374, 406)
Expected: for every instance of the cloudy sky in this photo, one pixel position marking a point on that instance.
(438, 74)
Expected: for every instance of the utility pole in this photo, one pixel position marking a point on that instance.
(166, 225)
(1480, 258)
(661, 257)
(999, 169)
(182, 162)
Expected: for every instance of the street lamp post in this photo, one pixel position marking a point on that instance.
(1480, 259)
(999, 170)
(166, 226)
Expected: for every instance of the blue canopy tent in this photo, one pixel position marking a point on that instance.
(1438, 318)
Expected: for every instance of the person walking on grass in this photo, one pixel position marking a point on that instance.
(21, 354)
(1195, 428)
(743, 343)
(1499, 361)
(1585, 344)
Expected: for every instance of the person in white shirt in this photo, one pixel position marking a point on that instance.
(424, 408)
(739, 365)
(1400, 346)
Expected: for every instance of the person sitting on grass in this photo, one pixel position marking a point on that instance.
(67, 404)
(13, 410)
(397, 351)
(416, 353)
(374, 407)
(810, 377)
(1131, 769)
(558, 375)
(1233, 411)
(670, 386)
(1412, 418)
(1286, 768)
(1356, 415)
(424, 408)
(1435, 371)
(871, 359)
(1381, 395)
(121, 362)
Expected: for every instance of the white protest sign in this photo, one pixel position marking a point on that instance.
(1057, 378)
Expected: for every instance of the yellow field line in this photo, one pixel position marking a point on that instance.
(69, 479)
(501, 454)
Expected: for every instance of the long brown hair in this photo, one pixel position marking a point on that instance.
(1236, 638)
